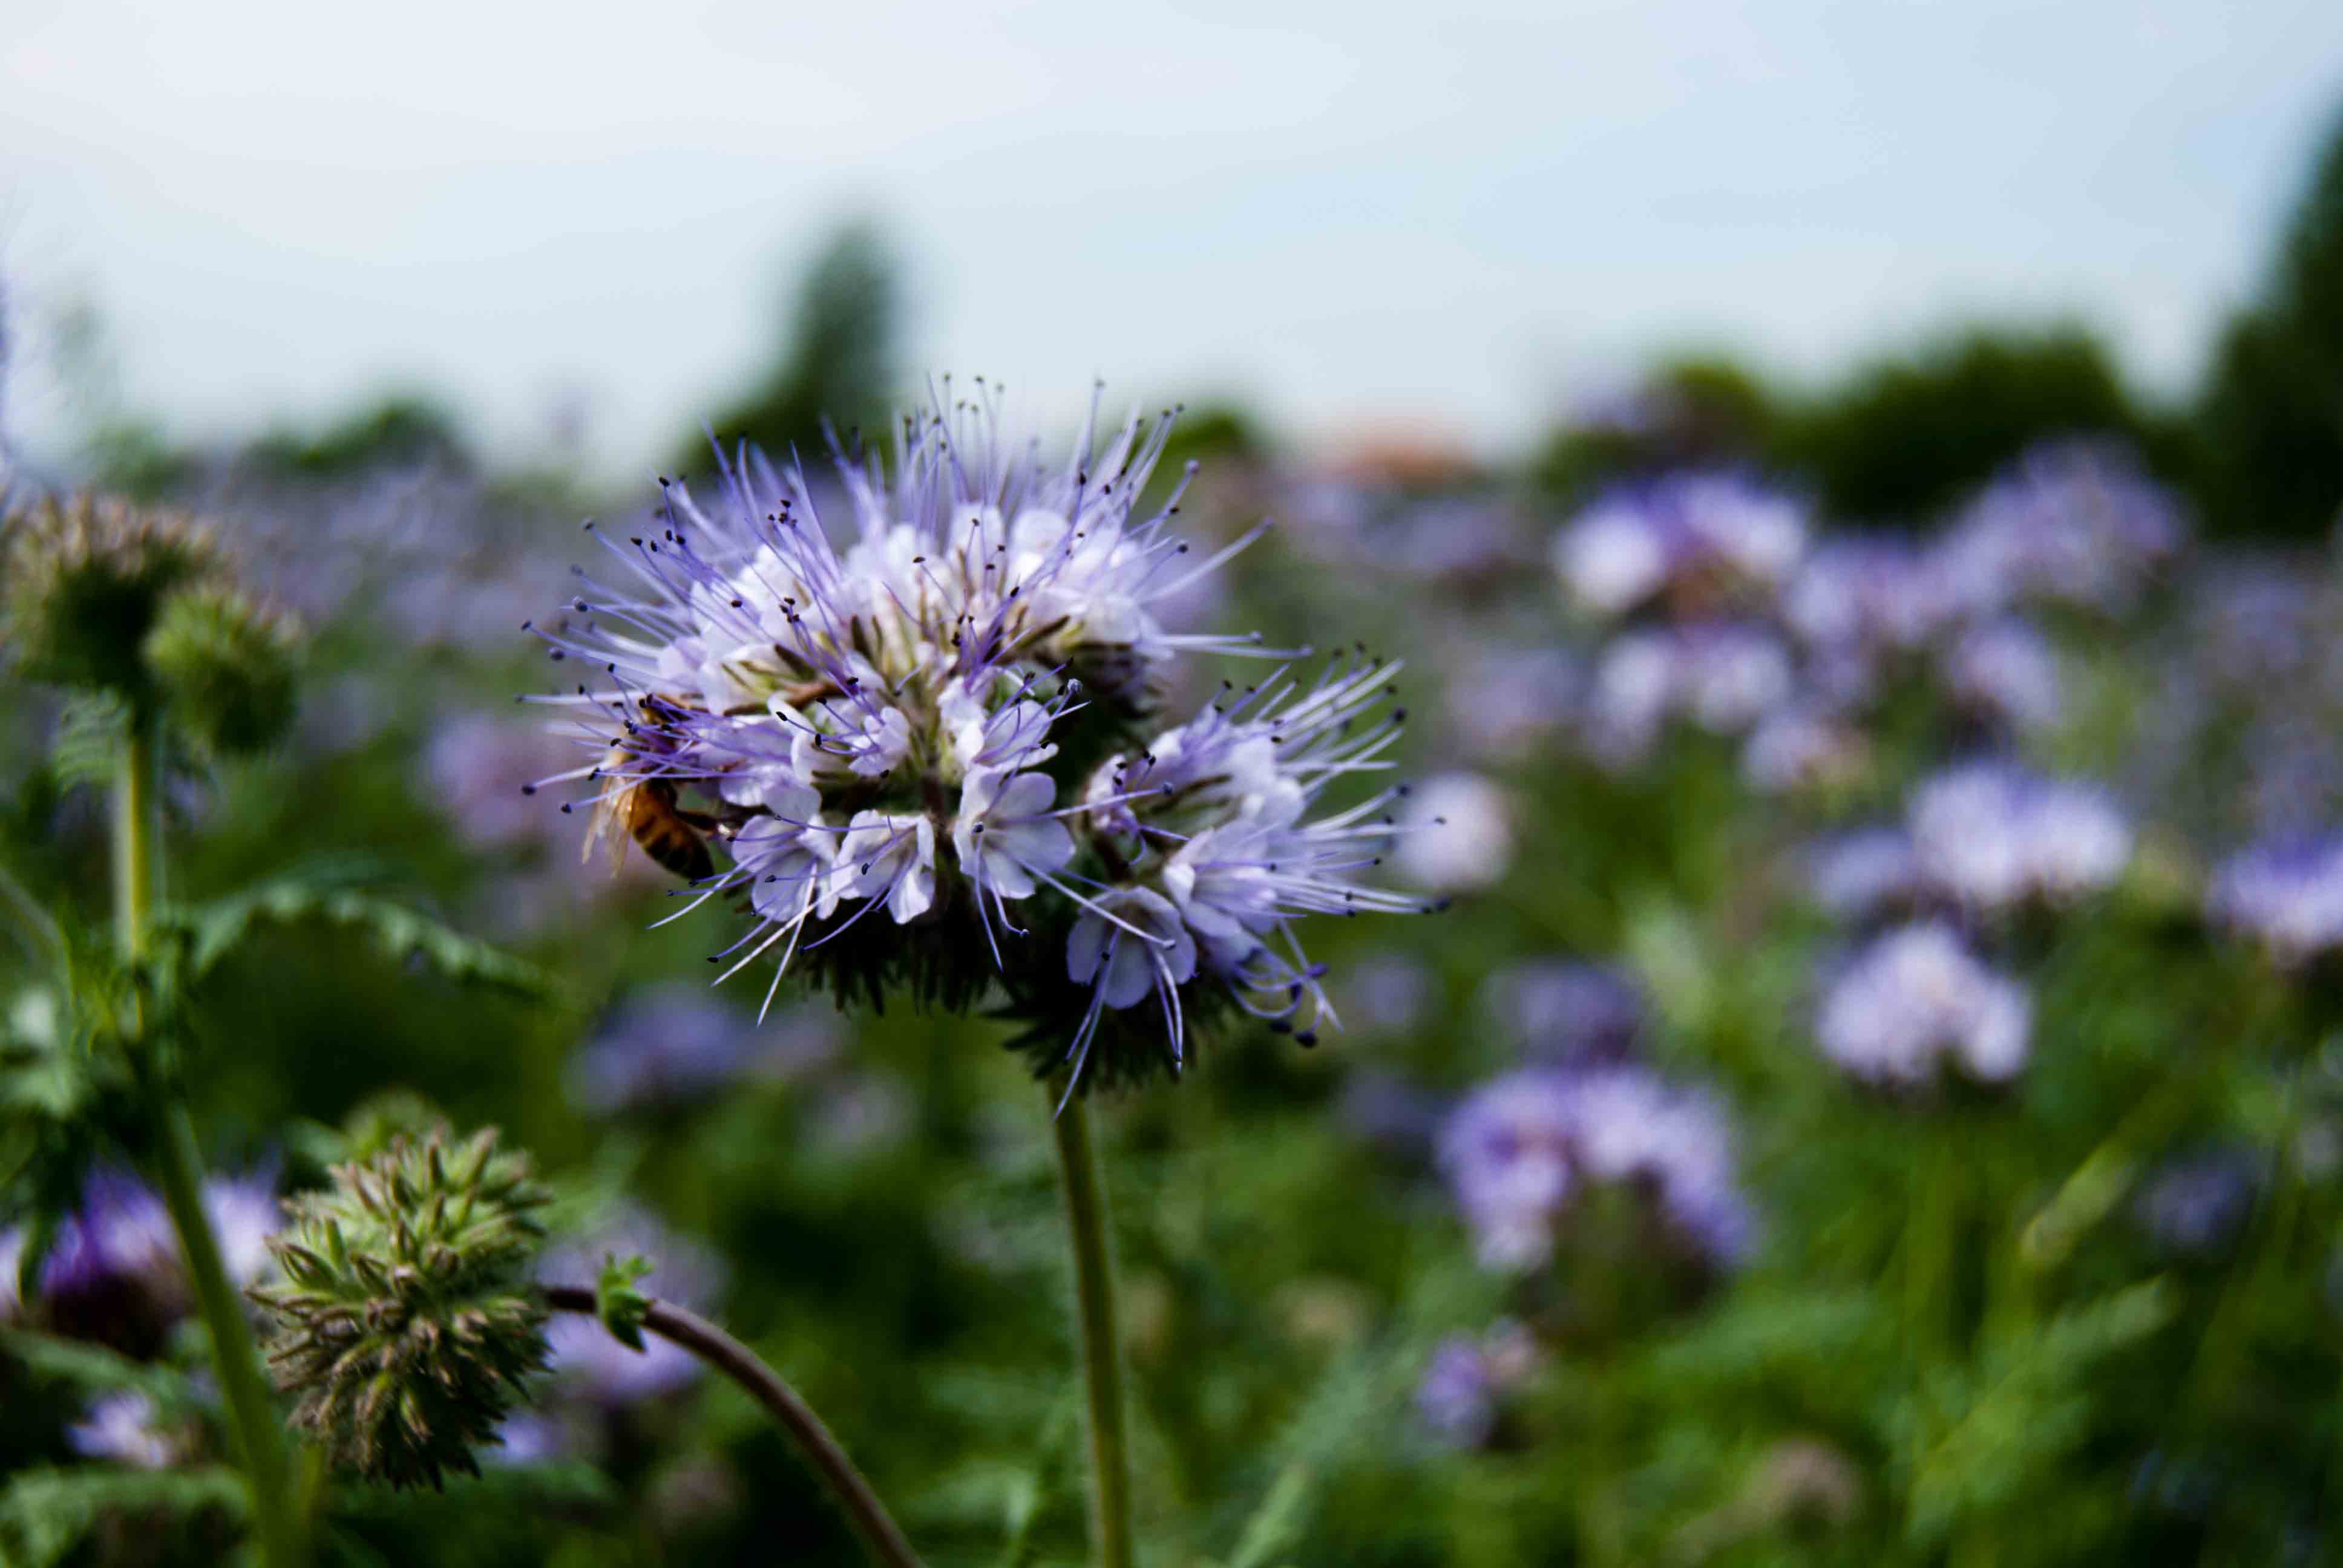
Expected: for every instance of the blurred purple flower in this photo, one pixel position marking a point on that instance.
(1519, 1150)
(1504, 705)
(675, 1043)
(2196, 1205)
(1870, 596)
(1803, 746)
(2074, 523)
(1561, 1013)
(2286, 894)
(1857, 875)
(1915, 1002)
(2007, 673)
(1695, 531)
(1456, 834)
(123, 1427)
(1988, 835)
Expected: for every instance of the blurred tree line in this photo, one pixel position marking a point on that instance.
(2257, 445)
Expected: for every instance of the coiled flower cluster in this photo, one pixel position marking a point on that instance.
(407, 1320)
(927, 744)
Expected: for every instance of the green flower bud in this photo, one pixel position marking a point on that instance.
(406, 1320)
(87, 579)
(225, 666)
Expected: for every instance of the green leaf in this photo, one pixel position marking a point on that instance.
(45, 1513)
(620, 1306)
(94, 1368)
(211, 932)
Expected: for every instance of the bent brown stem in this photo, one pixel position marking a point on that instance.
(681, 1326)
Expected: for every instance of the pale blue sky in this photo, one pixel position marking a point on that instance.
(1447, 212)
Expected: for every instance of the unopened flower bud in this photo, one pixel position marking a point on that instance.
(406, 1320)
(226, 666)
(88, 579)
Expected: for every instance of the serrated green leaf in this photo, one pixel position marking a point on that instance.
(211, 932)
(94, 1368)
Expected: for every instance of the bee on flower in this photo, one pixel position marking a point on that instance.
(916, 722)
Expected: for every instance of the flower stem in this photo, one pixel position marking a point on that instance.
(137, 835)
(251, 1412)
(877, 1531)
(1086, 1221)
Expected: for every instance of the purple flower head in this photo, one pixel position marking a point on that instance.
(1871, 596)
(1803, 746)
(125, 1428)
(1461, 1396)
(2073, 524)
(1700, 534)
(2286, 895)
(587, 1364)
(1732, 676)
(1457, 1398)
(1859, 874)
(1560, 1014)
(1916, 1003)
(1990, 836)
(1460, 834)
(674, 1043)
(2198, 1204)
(1520, 1152)
(1503, 706)
(2006, 673)
(116, 1256)
(878, 720)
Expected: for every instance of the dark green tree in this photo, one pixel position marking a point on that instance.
(838, 357)
(1905, 435)
(2270, 422)
(1699, 411)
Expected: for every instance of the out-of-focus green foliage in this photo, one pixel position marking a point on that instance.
(2270, 426)
(1903, 436)
(835, 362)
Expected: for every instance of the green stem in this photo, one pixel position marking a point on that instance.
(251, 1412)
(137, 835)
(1086, 1222)
(879, 1533)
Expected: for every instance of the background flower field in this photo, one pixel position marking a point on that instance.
(1873, 1094)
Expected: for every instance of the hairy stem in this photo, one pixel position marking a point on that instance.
(736, 1360)
(251, 1412)
(1086, 1222)
(137, 835)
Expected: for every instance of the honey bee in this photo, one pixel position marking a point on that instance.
(645, 810)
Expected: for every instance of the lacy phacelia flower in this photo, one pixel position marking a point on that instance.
(1462, 835)
(113, 1270)
(1520, 1152)
(1989, 835)
(1461, 1398)
(1916, 1003)
(125, 1428)
(1700, 535)
(2286, 895)
(2073, 523)
(927, 745)
(2006, 673)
